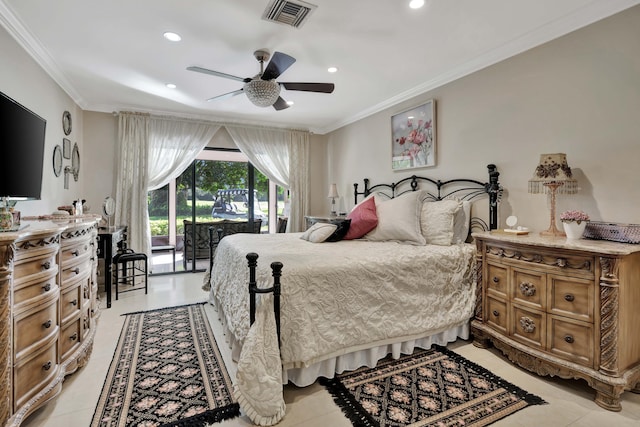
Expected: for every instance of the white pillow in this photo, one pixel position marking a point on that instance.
(319, 232)
(436, 221)
(398, 219)
(461, 223)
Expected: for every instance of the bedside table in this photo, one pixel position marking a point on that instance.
(328, 219)
(566, 308)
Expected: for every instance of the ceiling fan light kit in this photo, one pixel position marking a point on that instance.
(263, 93)
(263, 90)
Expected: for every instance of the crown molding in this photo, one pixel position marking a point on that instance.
(34, 48)
(595, 11)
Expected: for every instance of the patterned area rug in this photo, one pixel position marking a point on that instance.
(166, 371)
(435, 387)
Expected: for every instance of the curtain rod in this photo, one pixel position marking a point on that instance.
(213, 122)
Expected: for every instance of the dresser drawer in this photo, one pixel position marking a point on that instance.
(529, 288)
(77, 272)
(37, 267)
(32, 376)
(30, 292)
(497, 280)
(571, 297)
(571, 340)
(70, 302)
(35, 326)
(529, 326)
(74, 254)
(497, 314)
(70, 338)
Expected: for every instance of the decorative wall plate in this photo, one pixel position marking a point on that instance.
(75, 161)
(57, 160)
(66, 122)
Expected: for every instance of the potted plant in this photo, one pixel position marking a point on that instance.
(574, 222)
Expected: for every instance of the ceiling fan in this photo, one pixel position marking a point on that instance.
(262, 89)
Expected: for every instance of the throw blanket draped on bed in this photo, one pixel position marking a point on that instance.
(345, 296)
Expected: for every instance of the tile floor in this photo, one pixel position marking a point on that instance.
(570, 401)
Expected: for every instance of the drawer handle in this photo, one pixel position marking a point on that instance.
(76, 270)
(496, 313)
(75, 253)
(74, 302)
(74, 336)
(46, 265)
(47, 324)
(47, 366)
(496, 279)
(527, 324)
(569, 297)
(47, 287)
(527, 289)
(569, 339)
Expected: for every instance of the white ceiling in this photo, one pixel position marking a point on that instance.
(111, 55)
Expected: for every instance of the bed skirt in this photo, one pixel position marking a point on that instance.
(306, 376)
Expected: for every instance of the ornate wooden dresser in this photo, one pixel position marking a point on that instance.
(567, 308)
(48, 310)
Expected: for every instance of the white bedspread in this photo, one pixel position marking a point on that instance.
(346, 296)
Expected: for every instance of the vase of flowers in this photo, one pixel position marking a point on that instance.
(574, 222)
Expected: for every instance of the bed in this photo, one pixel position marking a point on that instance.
(408, 282)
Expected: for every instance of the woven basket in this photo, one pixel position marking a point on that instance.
(624, 233)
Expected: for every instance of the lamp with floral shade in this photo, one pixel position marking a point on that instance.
(553, 176)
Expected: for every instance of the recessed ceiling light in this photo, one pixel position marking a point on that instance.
(171, 86)
(332, 69)
(172, 36)
(416, 4)
(290, 103)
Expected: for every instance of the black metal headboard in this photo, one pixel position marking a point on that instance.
(463, 189)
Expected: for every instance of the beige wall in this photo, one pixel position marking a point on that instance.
(579, 94)
(22, 79)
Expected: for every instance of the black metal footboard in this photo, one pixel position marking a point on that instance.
(276, 268)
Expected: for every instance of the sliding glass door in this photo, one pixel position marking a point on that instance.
(217, 186)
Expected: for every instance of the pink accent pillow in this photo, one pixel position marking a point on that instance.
(363, 219)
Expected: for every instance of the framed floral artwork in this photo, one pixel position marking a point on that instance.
(413, 137)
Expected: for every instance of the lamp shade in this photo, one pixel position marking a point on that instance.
(553, 169)
(333, 191)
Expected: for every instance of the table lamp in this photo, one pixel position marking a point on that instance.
(333, 195)
(553, 176)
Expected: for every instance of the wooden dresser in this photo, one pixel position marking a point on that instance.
(48, 311)
(567, 308)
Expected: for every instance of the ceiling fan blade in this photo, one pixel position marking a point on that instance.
(226, 95)
(310, 87)
(280, 104)
(278, 65)
(217, 73)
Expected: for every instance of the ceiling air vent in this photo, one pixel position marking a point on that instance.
(288, 12)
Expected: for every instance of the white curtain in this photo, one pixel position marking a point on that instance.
(283, 156)
(298, 180)
(132, 177)
(173, 145)
(152, 152)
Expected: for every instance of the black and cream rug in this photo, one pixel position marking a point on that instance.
(166, 371)
(435, 387)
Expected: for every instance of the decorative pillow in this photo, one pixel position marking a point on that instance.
(363, 219)
(436, 221)
(399, 219)
(461, 223)
(319, 232)
(341, 231)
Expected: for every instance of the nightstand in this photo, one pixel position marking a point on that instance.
(566, 308)
(328, 219)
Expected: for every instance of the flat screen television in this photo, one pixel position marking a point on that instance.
(22, 135)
